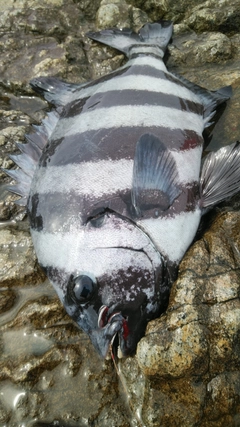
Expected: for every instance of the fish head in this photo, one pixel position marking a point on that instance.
(108, 275)
(115, 289)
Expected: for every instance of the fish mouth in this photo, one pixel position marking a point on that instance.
(113, 332)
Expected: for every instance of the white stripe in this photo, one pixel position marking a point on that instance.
(93, 179)
(149, 62)
(129, 116)
(146, 50)
(188, 164)
(96, 251)
(172, 235)
(106, 177)
(138, 82)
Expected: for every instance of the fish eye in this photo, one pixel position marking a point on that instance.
(97, 217)
(98, 220)
(81, 288)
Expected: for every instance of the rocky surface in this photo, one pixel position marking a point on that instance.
(187, 368)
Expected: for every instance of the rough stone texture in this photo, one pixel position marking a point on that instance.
(212, 15)
(202, 49)
(186, 371)
(17, 258)
(202, 323)
(191, 355)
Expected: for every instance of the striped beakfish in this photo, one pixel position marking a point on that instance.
(114, 188)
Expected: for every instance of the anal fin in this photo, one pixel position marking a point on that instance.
(155, 175)
(220, 177)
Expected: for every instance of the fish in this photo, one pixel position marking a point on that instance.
(114, 188)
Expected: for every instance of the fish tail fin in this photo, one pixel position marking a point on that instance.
(220, 177)
(157, 34)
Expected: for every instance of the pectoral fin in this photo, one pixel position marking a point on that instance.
(155, 175)
(220, 177)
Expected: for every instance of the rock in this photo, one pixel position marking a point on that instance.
(204, 300)
(113, 14)
(198, 337)
(201, 49)
(214, 16)
(210, 15)
(17, 257)
(7, 300)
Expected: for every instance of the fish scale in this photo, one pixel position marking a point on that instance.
(113, 187)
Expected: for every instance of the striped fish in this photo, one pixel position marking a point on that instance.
(112, 184)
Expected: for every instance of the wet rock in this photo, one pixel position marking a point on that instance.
(222, 391)
(4, 414)
(31, 56)
(48, 41)
(49, 369)
(7, 300)
(17, 257)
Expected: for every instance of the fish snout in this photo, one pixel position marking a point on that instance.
(110, 324)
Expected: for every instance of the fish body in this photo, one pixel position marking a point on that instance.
(112, 185)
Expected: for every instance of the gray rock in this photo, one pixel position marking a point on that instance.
(201, 49)
(113, 14)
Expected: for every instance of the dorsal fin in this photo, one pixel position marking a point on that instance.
(55, 90)
(28, 160)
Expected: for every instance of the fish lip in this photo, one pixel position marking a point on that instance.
(102, 314)
(106, 314)
(107, 317)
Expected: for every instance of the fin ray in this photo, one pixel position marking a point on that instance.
(54, 90)
(210, 99)
(28, 160)
(220, 177)
(155, 175)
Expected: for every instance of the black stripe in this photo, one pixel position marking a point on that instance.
(115, 144)
(128, 98)
(56, 209)
(103, 79)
